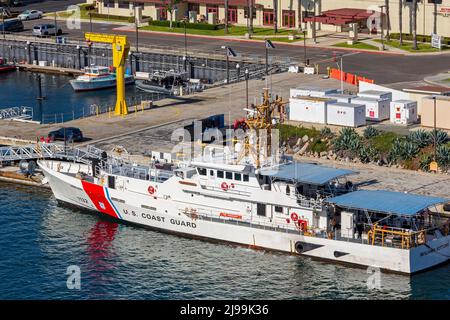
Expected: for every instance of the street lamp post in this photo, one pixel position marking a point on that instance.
(382, 28)
(228, 52)
(304, 46)
(90, 21)
(435, 130)
(270, 45)
(185, 45)
(246, 85)
(238, 72)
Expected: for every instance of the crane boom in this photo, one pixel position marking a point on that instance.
(120, 48)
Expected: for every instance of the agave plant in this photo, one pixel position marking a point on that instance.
(424, 162)
(409, 151)
(370, 132)
(367, 153)
(348, 139)
(421, 138)
(441, 137)
(443, 157)
(403, 149)
(326, 132)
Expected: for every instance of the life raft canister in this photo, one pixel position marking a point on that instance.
(151, 190)
(294, 216)
(224, 186)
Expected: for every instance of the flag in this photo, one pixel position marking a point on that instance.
(269, 44)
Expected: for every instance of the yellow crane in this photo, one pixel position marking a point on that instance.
(120, 48)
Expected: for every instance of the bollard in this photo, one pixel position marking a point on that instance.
(328, 71)
(135, 110)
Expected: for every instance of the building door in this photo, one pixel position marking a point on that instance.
(268, 17)
(289, 18)
(232, 14)
(162, 13)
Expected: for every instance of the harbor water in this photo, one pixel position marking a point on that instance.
(40, 239)
(61, 102)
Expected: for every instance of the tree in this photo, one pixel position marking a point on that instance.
(250, 16)
(275, 16)
(414, 24)
(388, 21)
(170, 8)
(400, 20)
(435, 16)
(226, 16)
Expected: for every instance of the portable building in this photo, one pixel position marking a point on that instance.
(376, 94)
(311, 91)
(376, 109)
(309, 109)
(346, 98)
(403, 111)
(346, 114)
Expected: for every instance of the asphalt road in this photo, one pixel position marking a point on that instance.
(383, 68)
(48, 6)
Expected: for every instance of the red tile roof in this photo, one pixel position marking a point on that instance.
(342, 16)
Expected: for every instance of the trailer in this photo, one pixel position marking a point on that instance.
(309, 109)
(403, 112)
(376, 94)
(376, 109)
(311, 91)
(346, 114)
(346, 98)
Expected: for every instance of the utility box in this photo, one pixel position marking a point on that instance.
(377, 109)
(311, 91)
(347, 225)
(403, 112)
(309, 109)
(376, 94)
(346, 114)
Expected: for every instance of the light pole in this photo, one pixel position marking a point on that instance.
(90, 21)
(435, 130)
(246, 85)
(185, 45)
(228, 52)
(269, 45)
(382, 28)
(304, 46)
(238, 72)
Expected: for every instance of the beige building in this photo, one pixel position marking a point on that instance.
(442, 112)
(290, 13)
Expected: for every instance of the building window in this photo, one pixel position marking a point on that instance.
(237, 177)
(202, 171)
(212, 9)
(232, 14)
(245, 178)
(108, 3)
(194, 7)
(229, 175)
(163, 12)
(246, 12)
(289, 18)
(268, 17)
(219, 174)
(124, 4)
(278, 209)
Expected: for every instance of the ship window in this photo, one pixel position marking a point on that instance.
(237, 176)
(278, 209)
(229, 175)
(245, 177)
(211, 173)
(261, 209)
(202, 171)
(219, 174)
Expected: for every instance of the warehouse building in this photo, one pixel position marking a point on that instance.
(294, 14)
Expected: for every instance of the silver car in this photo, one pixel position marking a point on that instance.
(44, 30)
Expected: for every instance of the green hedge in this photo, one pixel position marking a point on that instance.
(420, 38)
(189, 25)
(114, 17)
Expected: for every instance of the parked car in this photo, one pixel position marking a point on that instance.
(30, 15)
(43, 30)
(69, 134)
(11, 25)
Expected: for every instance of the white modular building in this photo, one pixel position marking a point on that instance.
(376, 94)
(346, 98)
(376, 109)
(309, 109)
(311, 91)
(403, 112)
(346, 114)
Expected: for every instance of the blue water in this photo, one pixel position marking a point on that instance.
(22, 89)
(40, 239)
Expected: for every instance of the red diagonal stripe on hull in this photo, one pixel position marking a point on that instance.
(97, 196)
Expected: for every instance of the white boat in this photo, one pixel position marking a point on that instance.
(248, 199)
(96, 78)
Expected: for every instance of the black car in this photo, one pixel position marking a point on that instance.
(68, 134)
(11, 25)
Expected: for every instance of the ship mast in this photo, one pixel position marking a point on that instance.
(261, 118)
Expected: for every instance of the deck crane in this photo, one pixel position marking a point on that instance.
(120, 48)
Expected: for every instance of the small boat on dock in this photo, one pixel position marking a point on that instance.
(6, 67)
(163, 82)
(96, 78)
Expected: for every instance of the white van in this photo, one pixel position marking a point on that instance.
(43, 30)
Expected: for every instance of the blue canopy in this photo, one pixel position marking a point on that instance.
(306, 173)
(384, 201)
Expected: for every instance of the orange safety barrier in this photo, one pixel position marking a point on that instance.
(348, 77)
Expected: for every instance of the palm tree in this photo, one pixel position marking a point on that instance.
(226, 16)
(400, 21)
(275, 15)
(414, 24)
(388, 20)
(435, 16)
(250, 16)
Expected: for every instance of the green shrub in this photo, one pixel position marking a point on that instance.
(421, 138)
(368, 153)
(370, 132)
(189, 25)
(112, 17)
(443, 157)
(348, 140)
(420, 38)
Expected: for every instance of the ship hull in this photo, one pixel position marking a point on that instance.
(98, 84)
(161, 214)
